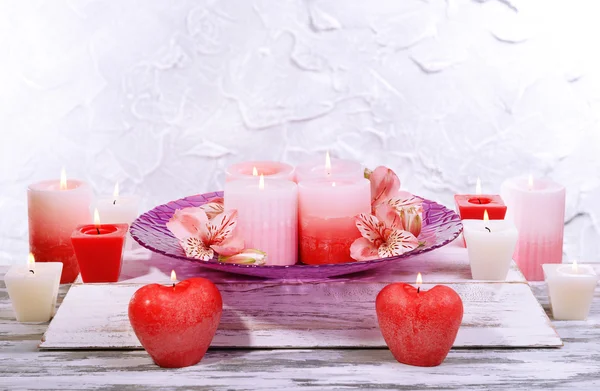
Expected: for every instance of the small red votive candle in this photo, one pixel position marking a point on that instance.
(99, 250)
(472, 207)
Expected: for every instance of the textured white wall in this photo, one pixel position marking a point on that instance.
(163, 95)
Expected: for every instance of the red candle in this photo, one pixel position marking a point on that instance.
(176, 324)
(99, 250)
(419, 326)
(472, 206)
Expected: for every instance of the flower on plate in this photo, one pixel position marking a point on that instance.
(383, 235)
(249, 256)
(201, 237)
(410, 210)
(385, 185)
(214, 207)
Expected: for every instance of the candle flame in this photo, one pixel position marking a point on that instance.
(328, 163)
(478, 187)
(530, 182)
(419, 280)
(486, 216)
(254, 171)
(574, 267)
(116, 190)
(96, 218)
(173, 276)
(30, 262)
(63, 179)
(261, 182)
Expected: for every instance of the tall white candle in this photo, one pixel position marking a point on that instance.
(537, 207)
(267, 216)
(33, 289)
(55, 209)
(571, 290)
(490, 244)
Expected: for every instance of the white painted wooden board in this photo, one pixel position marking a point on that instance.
(342, 314)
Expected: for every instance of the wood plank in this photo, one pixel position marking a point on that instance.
(303, 315)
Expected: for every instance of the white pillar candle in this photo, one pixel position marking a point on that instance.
(491, 244)
(571, 290)
(537, 206)
(55, 209)
(267, 168)
(329, 169)
(118, 209)
(267, 216)
(33, 289)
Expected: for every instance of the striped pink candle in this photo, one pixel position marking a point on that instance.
(538, 209)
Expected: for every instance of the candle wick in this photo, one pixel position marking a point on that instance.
(418, 289)
(479, 200)
(489, 230)
(173, 285)
(115, 202)
(32, 272)
(98, 230)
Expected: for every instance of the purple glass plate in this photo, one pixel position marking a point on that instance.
(440, 227)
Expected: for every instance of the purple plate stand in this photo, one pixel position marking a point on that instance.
(440, 227)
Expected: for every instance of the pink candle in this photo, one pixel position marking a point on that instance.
(538, 209)
(332, 169)
(267, 216)
(326, 212)
(269, 169)
(56, 208)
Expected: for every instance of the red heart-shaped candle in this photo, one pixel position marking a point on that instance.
(419, 327)
(176, 324)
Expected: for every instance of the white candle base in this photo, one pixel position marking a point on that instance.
(570, 294)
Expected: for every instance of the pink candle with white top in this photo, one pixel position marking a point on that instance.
(55, 209)
(329, 168)
(537, 207)
(327, 209)
(267, 211)
(269, 169)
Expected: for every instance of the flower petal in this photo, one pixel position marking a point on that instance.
(405, 199)
(230, 246)
(249, 256)
(385, 184)
(187, 222)
(370, 227)
(388, 216)
(214, 207)
(397, 243)
(195, 248)
(362, 249)
(221, 227)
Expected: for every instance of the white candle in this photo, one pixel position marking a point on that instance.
(537, 206)
(33, 289)
(571, 290)
(267, 216)
(491, 244)
(118, 209)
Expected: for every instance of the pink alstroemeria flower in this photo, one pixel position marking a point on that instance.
(385, 185)
(214, 206)
(201, 237)
(382, 236)
(410, 210)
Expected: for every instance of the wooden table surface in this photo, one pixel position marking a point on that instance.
(576, 366)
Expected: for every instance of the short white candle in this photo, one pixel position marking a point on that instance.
(571, 290)
(33, 289)
(118, 209)
(491, 244)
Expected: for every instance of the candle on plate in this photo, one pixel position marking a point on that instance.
(491, 245)
(269, 169)
(327, 211)
(99, 250)
(118, 209)
(33, 289)
(571, 290)
(55, 208)
(537, 208)
(419, 326)
(333, 169)
(267, 216)
(472, 206)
